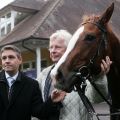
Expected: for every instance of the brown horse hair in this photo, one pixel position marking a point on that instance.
(90, 18)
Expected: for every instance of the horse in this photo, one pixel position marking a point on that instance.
(91, 42)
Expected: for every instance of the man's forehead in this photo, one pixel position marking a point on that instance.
(8, 52)
(56, 41)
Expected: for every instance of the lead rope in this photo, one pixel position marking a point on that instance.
(103, 97)
(99, 92)
(87, 103)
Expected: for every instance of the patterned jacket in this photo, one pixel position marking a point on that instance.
(73, 108)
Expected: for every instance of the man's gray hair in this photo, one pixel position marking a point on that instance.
(11, 47)
(61, 34)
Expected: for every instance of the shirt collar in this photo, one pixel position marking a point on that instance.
(14, 77)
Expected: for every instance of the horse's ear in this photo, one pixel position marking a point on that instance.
(105, 17)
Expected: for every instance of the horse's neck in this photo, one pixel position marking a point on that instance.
(115, 51)
(114, 44)
(114, 73)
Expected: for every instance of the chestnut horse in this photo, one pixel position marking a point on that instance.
(89, 45)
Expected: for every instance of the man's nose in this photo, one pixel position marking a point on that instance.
(7, 59)
(53, 49)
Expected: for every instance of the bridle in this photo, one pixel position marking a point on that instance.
(84, 72)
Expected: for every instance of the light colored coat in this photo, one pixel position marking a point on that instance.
(73, 108)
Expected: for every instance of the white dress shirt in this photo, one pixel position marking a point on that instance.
(10, 79)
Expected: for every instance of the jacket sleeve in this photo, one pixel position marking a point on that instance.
(92, 94)
(42, 109)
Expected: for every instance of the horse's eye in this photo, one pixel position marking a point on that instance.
(90, 38)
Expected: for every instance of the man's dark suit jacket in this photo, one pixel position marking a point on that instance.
(25, 100)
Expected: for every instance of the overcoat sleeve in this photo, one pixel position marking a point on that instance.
(42, 109)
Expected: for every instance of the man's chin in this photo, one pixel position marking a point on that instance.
(55, 60)
(8, 70)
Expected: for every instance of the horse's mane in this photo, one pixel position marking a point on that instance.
(90, 18)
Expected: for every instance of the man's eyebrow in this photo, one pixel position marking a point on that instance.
(9, 56)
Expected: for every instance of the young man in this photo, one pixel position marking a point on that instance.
(73, 108)
(20, 96)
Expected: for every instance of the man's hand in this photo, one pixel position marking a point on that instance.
(58, 95)
(105, 65)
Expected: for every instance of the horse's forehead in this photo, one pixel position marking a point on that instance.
(70, 47)
(91, 27)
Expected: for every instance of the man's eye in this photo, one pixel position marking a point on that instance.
(90, 38)
(3, 58)
(9, 57)
(58, 47)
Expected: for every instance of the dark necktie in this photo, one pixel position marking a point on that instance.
(47, 85)
(10, 87)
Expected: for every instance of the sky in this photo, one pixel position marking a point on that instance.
(4, 3)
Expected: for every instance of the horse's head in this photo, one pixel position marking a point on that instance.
(84, 52)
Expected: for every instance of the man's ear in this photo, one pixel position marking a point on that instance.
(20, 59)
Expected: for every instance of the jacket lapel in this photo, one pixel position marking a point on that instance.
(17, 88)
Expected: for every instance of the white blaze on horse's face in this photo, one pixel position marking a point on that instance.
(71, 45)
